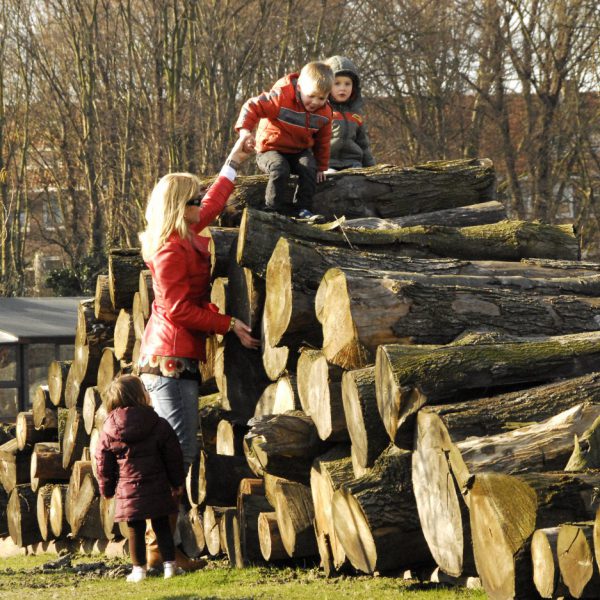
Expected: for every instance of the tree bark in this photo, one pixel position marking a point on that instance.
(43, 410)
(320, 391)
(405, 383)
(360, 312)
(230, 535)
(383, 190)
(505, 510)
(575, 549)
(586, 450)
(328, 473)
(484, 213)
(22, 517)
(146, 292)
(57, 379)
(251, 502)
(544, 558)
(27, 435)
(222, 239)
(365, 427)
(124, 266)
(46, 465)
(295, 514)
(271, 544)
(375, 517)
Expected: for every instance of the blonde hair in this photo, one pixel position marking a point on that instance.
(166, 209)
(317, 74)
(126, 390)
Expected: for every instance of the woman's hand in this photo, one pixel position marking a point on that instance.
(245, 334)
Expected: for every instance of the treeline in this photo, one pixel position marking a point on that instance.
(99, 98)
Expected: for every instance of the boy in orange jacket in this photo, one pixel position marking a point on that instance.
(293, 136)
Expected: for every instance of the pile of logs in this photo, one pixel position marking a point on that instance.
(426, 398)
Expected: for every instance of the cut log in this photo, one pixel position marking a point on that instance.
(360, 312)
(146, 292)
(230, 438)
(405, 383)
(46, 465)
(218, 294)
(58, 517)
(279, 397)
(211, 414)
(295, 515)
(82, 374)
(383, 190)
(230, 537)
(462, 216)
(57, 379)
(100, 417)
(212, 519)
(124, 335)
(124, 266)
(92, 400)
(85, 510)
(93, 445)
(107, 518)
(546, 572)
(27, 435)
(22, 516)
(90, 331)
(137, 315)
(365, 427)
(575, 549)
(14, 465)
(3, 509)
(271, 544)
(44, 496)
(103, 308)
(443, 469)
(586, 450)
(43, 410)
(75, 438)
(320, 391)
(375, 517)
(251, 502)
(505, 510)
(219, 478)
(221, 241)
(276, 359)
(283, 445)
(207, 368)
(328, 473)
(197, 528)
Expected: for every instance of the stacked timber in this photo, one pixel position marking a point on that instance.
(426, 395)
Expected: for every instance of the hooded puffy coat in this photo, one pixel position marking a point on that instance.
(138, 461)
(350, 146)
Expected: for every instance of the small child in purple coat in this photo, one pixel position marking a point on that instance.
(139, 461)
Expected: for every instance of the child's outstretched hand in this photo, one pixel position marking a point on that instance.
(321, 177)
(248, 140)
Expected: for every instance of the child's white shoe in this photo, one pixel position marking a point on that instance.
(171, 569)
(137, 574)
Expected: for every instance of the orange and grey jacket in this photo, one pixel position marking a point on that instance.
(285, 125)
(350, 146)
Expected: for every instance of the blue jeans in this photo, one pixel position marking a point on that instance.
(176, 400)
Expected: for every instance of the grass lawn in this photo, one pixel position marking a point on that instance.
(22, 578)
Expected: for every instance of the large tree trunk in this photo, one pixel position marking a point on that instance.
(222, 239)
(219, 478)
(14, 465)
(320, 391)
(46, 465)
(124, 266)
(575, 549)
(443, 469)
(22, 516)
(367, 433)
(505, 241)
(27, 435)
(328, 473)
(103, 308)
(506, 510)
(250, 503)
(85, 510)
(405, 382)
(57, 380)
(75, 438)
(462, 216)
(43, 410)
(231, 538)
(359, 312)
(383, 190)
(295, 514)
(375, 517)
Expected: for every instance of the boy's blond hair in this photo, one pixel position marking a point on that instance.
(317, 74)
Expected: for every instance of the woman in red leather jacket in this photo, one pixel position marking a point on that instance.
(182, 316)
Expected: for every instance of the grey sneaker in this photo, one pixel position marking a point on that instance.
(306, 216)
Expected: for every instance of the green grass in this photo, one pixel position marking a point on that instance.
(22, 578)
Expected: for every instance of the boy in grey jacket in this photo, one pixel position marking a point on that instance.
(350, 146)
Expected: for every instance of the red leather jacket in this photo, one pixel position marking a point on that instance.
(181, 312)
(285, 125)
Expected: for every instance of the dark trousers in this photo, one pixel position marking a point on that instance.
(279, 166)
(137, 539)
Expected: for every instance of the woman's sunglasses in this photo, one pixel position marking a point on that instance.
(195, 201)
